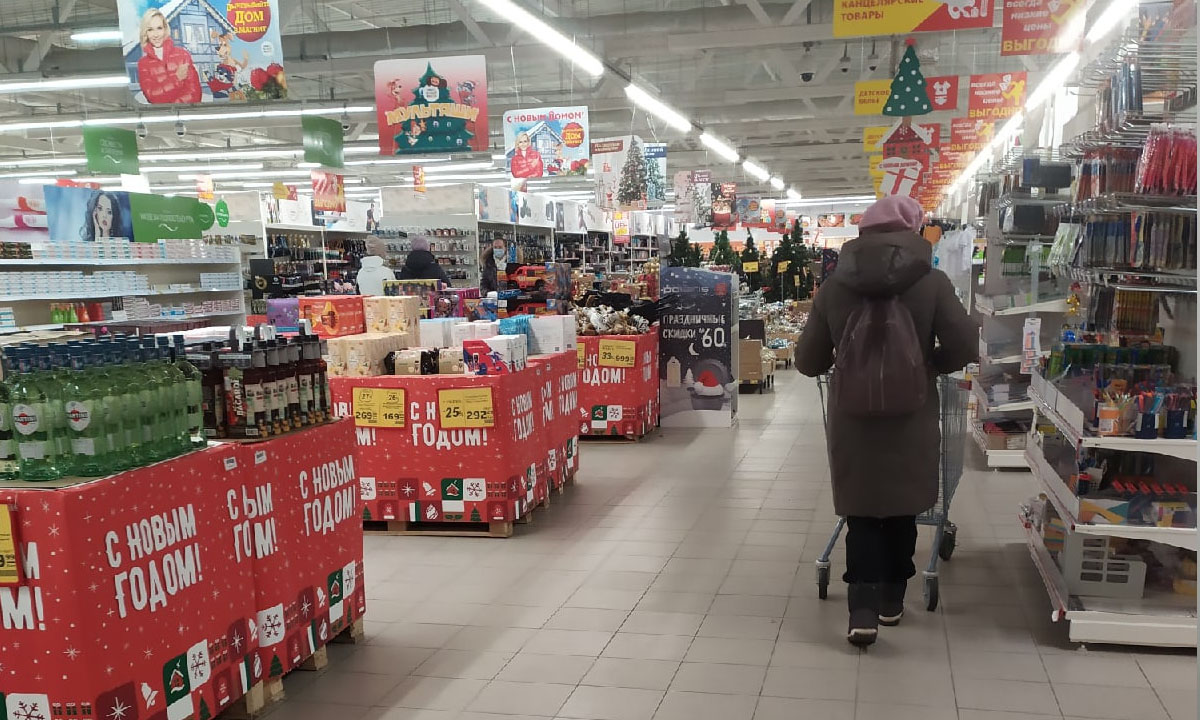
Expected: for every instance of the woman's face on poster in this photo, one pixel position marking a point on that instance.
(102, 216)
(156, 31)
(522, 142)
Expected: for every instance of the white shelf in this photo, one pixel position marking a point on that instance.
(996, 458)
(1067, 505)
(116, 261)
(1015, 406)
(1048, 306)
(1154, 621)
(283, 227)
(60, 326)
(1183, 448)
(119, 293)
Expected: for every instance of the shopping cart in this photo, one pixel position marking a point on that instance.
(952, 396)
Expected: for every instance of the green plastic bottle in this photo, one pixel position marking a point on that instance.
(122, 407)
(194, 394)
(8, 447)
(181, 441)
(36, 441)
(86, 423)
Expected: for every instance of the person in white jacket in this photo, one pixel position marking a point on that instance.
(374, 273)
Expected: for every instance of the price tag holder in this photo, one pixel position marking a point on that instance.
(580, 356)
(466, 408)
(618, 353)
(783, 265)
(750, 267)
(10, 559)
(378, 407)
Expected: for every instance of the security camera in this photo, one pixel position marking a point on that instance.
(806, 76)
(845, 69)
(345, 125)
(180, 128)
(872, 67)
(142, 131)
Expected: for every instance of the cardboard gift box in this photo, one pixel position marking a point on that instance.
(334, 315)
(283, 312)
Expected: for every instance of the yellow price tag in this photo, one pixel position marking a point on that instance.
(750, 267)
(797, 279)
(783, 265)
(10, 562)
(617, 353)
(466, 408)
(580, 355)
(378, 407)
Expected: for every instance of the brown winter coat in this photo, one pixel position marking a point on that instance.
(883, 467)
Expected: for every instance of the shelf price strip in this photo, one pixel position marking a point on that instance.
(617, 353)
(378, 407)
(466, 408)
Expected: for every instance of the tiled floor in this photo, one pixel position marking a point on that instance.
(675, 582)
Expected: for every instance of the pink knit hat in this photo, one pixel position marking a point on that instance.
(892, 213)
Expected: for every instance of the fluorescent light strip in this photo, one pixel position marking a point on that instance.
(39, 173)
(202, 168)
(794, 195)
(658, 109)
(1112, 16)
(167, 117)
(400, 161)
(722, 149)
(462, 166)
(548, 36)
(67, 83)
(96, 36)
(756, 171)
(778, 183)
(1056, 78)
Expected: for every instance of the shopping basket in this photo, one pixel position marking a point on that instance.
(952, 416)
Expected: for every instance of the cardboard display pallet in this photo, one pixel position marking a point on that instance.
(501, 529)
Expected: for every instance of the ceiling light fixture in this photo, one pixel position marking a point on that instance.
(778, 183)
(162, 118)
(1112, 16)
(658, 108)
(794, 195)
(720, 147)
(39, 173)
(96, 36)
(1056, 78)
(756, 171)
(464, 166)
(216, 167)
(66, 83)
(548, 36)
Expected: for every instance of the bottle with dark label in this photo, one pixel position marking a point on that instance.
(212, 392)
(275, 389)
(243, 392)
(292, 381)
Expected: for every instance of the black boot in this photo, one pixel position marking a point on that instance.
(891, 602)
(864, 613)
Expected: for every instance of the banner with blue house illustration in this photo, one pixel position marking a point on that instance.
(547, 142)
(193, 51)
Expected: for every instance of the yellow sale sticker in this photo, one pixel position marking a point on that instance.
(870, 95)
(378, 407)
(783, 265)
(871, 137)
(750, 267)
(617, 353)
(466, 408)
(873, 165)
(580, 355)
(10, 562)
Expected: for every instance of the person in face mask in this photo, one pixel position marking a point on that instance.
(421, 264)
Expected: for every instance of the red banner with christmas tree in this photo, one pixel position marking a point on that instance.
(434, 105)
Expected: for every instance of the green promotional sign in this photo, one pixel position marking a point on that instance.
(156, 217)
(322, 141)
(111, 151)
(222, 212)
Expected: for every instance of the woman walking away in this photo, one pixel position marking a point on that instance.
(887, 323)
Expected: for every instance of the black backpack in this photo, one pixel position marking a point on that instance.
(879, 369)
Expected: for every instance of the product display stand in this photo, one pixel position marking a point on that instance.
(454, 245)
(619, 384)
(176, 589)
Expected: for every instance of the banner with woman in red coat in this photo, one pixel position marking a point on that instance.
(193, 51)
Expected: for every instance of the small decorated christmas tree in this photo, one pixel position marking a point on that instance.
(656, 184)
(631, 188)
(680, 250)
(784, 265)
(439, 133)
(750, 268)
(722, 252)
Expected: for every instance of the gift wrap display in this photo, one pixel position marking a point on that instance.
(463, 448)
(618, 392)
(171, 591)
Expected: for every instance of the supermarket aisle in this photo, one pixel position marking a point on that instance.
(675, 582)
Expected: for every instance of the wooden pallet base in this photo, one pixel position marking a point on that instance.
(260, 699)
(614, 438)
(448, 529)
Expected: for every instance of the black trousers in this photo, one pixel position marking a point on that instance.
(880, 550)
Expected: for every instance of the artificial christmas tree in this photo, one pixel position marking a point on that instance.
(750, 263)
(683, 252)
(908, 94)
(656, 184)
(631, 188)
(437, 133)
(722, 252)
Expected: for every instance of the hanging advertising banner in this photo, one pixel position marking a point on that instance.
(205, 190)
(621, 227)
(431, 105)
(157, 217)
(749, 211)
(111, 151)
(1041, 27)
(80, 213)
(995, 96)
(323, 140)
(724, 200)
(547, 142)
(329, 192)
(192, 51)
(873, 165)
(419, 178)
(685, 188)
(969, 135)
(655, 156)
(873, 136)
(860, 18)
(621, 176)
(870, 95)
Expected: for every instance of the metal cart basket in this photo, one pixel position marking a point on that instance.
(953, 419)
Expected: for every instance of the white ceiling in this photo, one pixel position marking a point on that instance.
(766, 74)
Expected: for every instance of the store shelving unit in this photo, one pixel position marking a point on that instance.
(456, 249)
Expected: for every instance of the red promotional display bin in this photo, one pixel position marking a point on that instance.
(618, 392)
(561, 389)
(476, 449)
(133, 601)
(297, 513)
